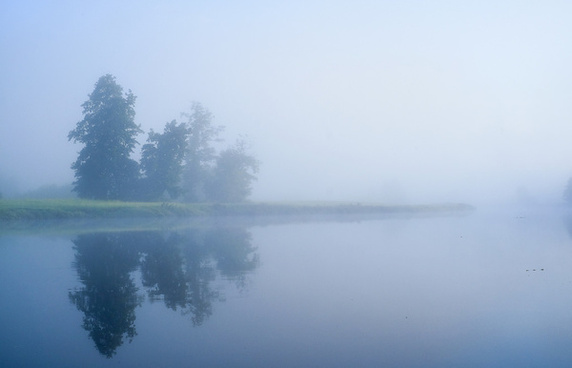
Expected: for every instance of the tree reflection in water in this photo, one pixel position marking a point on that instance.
(234, 253)
(176, 267)
(109, 296)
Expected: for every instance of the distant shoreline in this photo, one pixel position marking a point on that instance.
(53, 209)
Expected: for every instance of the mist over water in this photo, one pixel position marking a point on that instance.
(394, 102)
(482, 289)
(408, 102)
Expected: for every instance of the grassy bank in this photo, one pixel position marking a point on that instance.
(47, 209)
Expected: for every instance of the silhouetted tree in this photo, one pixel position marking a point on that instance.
(200, 155)
(162, 161)
(104, 169)
(233, 174)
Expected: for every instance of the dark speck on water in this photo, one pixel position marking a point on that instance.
(129, 297)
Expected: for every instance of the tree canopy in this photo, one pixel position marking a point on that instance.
(180, 162)
(104, 169)
(201, 155)
(233, 174)
(161, 161)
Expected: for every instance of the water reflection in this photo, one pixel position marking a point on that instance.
(109, 295)
(178, 268)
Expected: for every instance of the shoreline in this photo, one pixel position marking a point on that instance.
(59, 217)
(54, 209)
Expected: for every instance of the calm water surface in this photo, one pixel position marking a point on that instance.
(481, 290)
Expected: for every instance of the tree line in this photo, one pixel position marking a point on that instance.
(179, 163)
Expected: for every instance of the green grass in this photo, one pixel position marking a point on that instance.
(50, 209)
(43, 209)
(74, 216)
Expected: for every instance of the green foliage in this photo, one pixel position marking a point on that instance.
(225, 177)
(161, 161)
(181, 161)
(104, 169)
(233, 175)
(200, 155)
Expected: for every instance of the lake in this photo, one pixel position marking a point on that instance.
(484, 289)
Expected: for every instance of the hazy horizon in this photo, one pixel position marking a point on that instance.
(408, 102)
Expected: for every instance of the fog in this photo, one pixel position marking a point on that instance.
(397, 102)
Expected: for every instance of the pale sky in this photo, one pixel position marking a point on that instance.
(393, 101)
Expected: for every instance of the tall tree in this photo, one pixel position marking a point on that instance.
(232, 177)
(201, 155)
(104, 169)
(162, 161)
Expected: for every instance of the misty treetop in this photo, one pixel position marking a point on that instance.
(232, 174)
(179, 163)
(104, 169)
(162, 161)
(200, 155)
